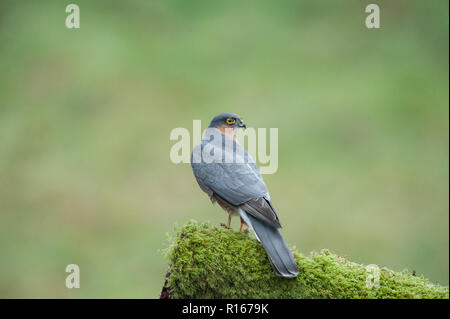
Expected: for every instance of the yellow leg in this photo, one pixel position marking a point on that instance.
(229, 221)
(242, 224)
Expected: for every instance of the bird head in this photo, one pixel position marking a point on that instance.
(227, 120)
(227, 123)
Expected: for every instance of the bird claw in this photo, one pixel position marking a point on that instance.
(224, 225)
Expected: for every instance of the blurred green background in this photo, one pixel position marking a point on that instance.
(85, 118)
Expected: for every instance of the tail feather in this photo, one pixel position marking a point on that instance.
(280, 256)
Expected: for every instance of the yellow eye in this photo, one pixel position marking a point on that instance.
(230, 121)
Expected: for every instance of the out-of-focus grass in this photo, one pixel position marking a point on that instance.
(85, 117)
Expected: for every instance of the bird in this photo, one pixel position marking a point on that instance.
(229, 175)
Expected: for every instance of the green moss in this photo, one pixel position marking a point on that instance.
(215, 262)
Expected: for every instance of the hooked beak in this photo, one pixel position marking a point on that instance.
(242, 124)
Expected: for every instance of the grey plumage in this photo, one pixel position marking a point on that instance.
(239, 186)
(280, 256)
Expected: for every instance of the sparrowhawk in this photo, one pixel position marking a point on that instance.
(229, 175)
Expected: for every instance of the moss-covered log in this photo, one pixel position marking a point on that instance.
(215, 262)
